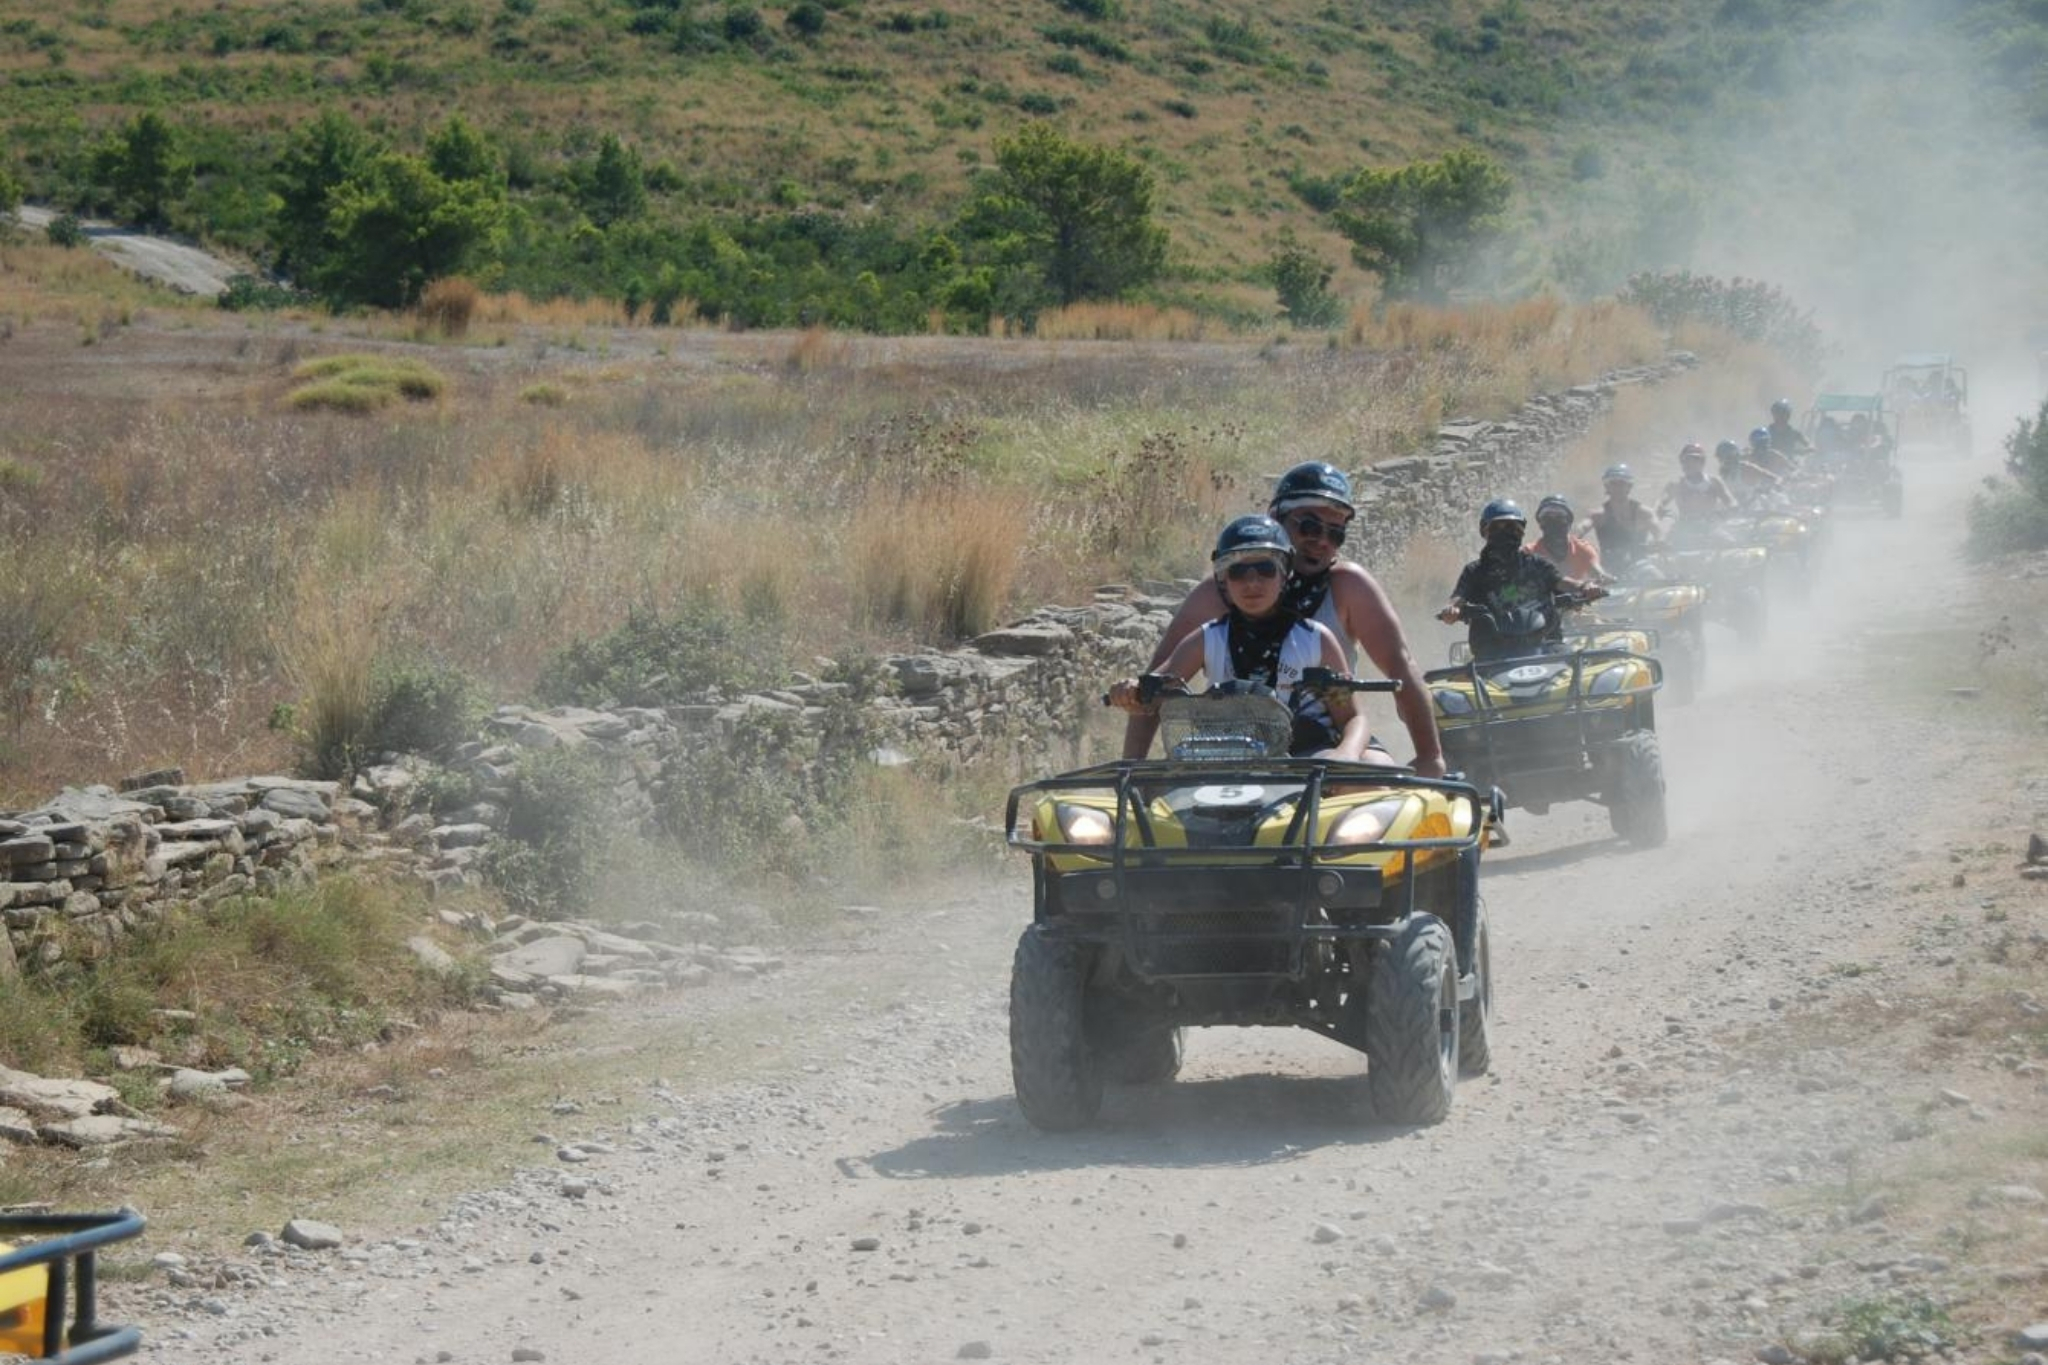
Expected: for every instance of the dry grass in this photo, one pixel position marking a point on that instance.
(448, 306)
(816, 348)
(76, 286)
(226, 554)
(1120, 322)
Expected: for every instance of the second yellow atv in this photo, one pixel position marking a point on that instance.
(1555, 720)
(1675, 616)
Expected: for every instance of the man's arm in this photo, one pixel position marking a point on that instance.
(1202, 605)
(1371, 620)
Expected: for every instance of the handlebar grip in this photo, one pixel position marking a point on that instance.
(1328, 680)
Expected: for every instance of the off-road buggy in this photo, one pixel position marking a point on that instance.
(1930, 395)
(1548, 720)
(1230, 884)
(49, 1286)
(1851, 435)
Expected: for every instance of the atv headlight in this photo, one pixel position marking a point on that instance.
(1369, 823)
(1084, 824)
(1453, 702)
(1608, 683)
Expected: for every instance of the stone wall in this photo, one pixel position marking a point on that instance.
(94, 863)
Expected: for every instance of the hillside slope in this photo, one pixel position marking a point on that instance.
(1640, 132)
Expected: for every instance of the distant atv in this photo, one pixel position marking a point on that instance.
(1228, 883)
(1675, 616)
(49, 1286)
(1791, 539)
(1548, 722)
(1736, 578)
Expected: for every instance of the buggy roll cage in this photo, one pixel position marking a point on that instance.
(65, 1249)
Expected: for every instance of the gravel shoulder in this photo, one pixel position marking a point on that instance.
(1709, 1127)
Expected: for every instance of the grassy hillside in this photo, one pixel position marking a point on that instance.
(1627, 124)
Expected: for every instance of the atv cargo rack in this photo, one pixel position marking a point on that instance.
(1223, 905)
(1533, 741)
(48, 1265)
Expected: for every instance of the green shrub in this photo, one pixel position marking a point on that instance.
(1751, 309)
(65, 230)
(420, 706)
(252, 293)
(2011, 517)
(806, 18)
(656, 660)
(1094, 9)
(556, 833)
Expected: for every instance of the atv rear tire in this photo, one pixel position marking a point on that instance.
(1053, 1065)
(1146, 1057)
(1411, 1024)
(1635, 806)
(1475, 1016)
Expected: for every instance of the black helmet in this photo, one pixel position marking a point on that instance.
(1250, 537)
(1618, 473)
(1554, 503)
(1501, 509)
(1315, 481)
(1728, 450)
(1760, 439)
(1782, 408)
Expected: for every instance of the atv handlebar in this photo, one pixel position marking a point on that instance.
(1154, 686)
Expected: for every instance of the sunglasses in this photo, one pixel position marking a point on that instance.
(1313, 528)
(1246, 569)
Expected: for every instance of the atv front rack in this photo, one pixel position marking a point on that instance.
(1499, 728)
(1214, 908)
(54, 1274)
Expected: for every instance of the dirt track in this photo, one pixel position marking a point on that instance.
(184, 268)
(1663, 1166)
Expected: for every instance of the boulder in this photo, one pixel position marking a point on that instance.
(1032, 639)
(553, 955)
(295, 804)
(55, 1099)
(105, 1130)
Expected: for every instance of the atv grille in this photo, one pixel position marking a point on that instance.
(1213, 943)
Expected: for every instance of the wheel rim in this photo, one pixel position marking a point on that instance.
(1447, 1019)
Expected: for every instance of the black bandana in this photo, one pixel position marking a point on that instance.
(1303, 597)
(1255, 645)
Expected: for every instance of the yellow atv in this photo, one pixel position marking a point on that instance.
(1672, 614)
(48, 1272)
(1549, 719)
(1790, 539)
(1231, 884)
(1735, 577)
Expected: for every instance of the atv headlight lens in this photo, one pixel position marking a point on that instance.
(1608, 683)
(1084, 824)
(1453, 702)
(1369, 823)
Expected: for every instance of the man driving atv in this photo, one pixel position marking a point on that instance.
(1624, 528)
(1259, 639)
(1313, 502)
(1506, 577)
(1786, 439)
(1698, 498)
(1752, 480)
(1575, 558)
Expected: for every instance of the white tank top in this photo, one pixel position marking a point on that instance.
(1303, 648)
(1326, 613)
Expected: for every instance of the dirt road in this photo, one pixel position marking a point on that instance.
(1664, 1166)
(183, 267)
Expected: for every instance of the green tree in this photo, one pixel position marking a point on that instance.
(1421, 227)
(142, 169)
(612, 187)
(10, 190)
(458, 152)
(398, 225)
(319, 158)
(1302, 281)
(1078, 216)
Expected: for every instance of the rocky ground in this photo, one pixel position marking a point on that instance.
(1766, 1093)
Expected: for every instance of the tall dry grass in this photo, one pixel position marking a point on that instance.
(1122, 322)
(231, 554)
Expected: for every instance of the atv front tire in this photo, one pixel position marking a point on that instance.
(1053, 1065)
(1635, 806)
(1146, 1057)
(1475, 1016)
(1411, 1024)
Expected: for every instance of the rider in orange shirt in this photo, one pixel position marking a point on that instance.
(1575, 557)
